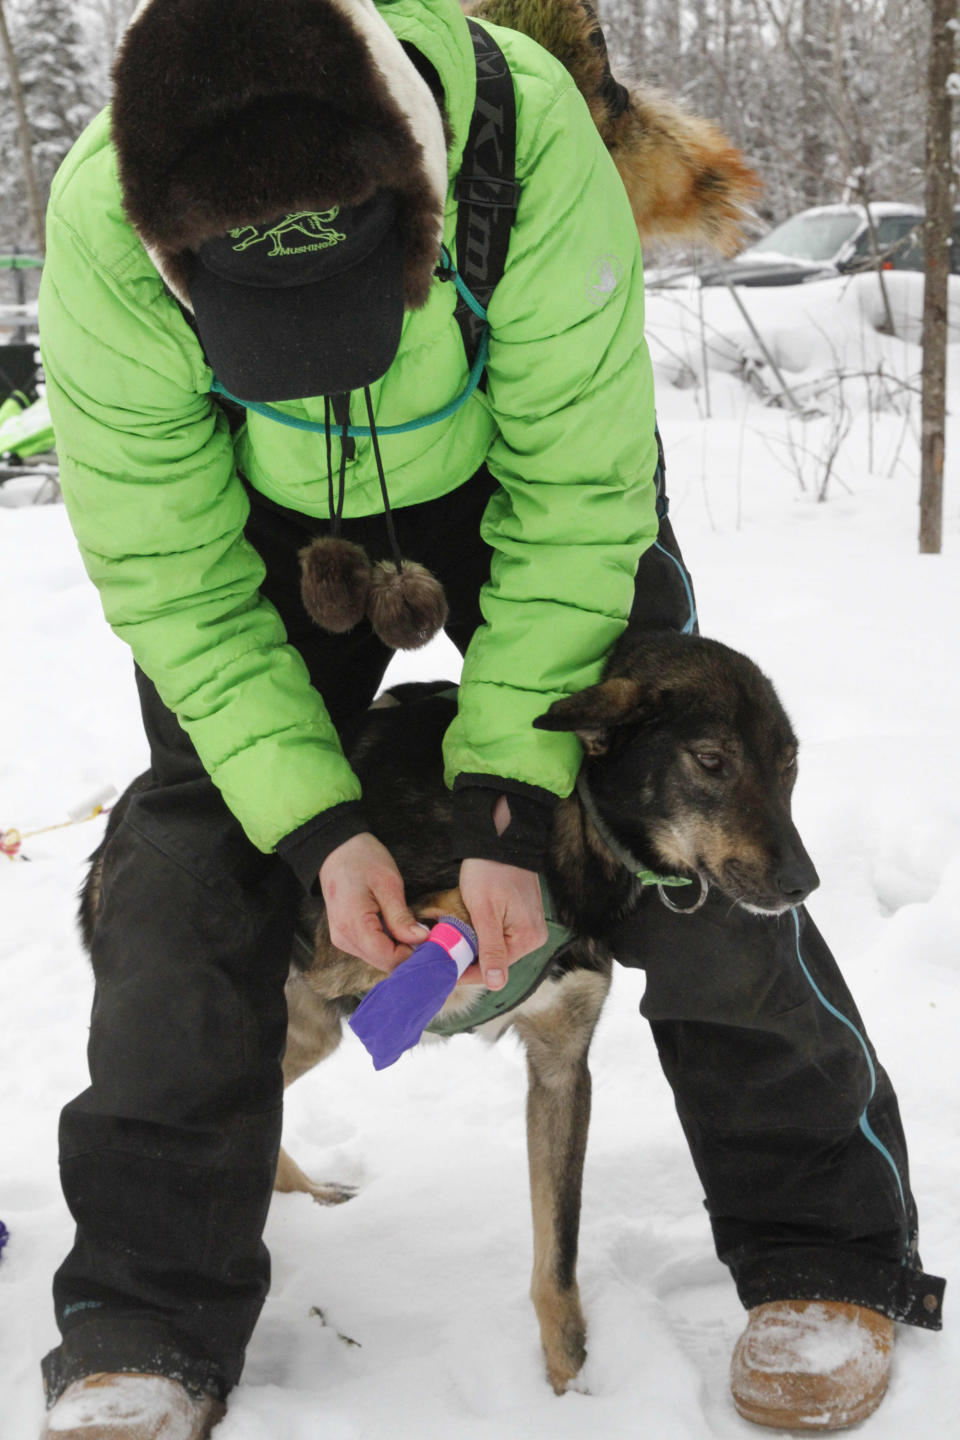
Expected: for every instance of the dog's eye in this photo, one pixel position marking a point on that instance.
(709, 760)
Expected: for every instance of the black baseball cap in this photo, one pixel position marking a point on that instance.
(308, 304)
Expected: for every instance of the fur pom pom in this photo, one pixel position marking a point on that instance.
(407, 609)
(334, 583)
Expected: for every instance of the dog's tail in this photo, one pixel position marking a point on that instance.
(685, 179)
(91, 889)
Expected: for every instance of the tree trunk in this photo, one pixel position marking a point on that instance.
(814, 53)
(23, 130)
(937, 230)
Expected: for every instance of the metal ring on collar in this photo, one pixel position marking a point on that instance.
(685, 909)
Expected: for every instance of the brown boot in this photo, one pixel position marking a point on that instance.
(811, 1364)
(131, 1407)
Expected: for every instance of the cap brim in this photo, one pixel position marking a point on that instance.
(289, 343)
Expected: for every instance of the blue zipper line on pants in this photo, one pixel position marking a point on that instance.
(691, 623)
(865, 1126)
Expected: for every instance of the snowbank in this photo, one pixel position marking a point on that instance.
(826, 327)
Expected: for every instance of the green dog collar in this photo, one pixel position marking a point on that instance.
(523, 977)
(618, 851)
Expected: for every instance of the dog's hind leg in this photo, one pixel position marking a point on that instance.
(313, 1033)
(556, 1027)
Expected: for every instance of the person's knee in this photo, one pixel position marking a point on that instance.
(180, 1045)
(189, 1016)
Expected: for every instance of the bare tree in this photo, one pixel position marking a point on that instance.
(108, 20)
(814, 52)
(113, 16)
(936, 235)
(805, 87)
(23, 131)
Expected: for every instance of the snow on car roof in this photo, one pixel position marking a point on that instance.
(878, 207)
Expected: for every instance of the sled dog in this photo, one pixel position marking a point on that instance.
(689, 765)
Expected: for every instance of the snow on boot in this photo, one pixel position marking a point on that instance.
(811, 1364)
(131, 1407)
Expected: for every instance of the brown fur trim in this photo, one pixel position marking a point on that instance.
(230, 112)
(567, 28)
(334, 583)
(406, 610)
(685, 180)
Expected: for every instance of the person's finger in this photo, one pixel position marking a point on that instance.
(493, 949)
(398, 918)
(373, 944)
(386, 888)
(359, 932)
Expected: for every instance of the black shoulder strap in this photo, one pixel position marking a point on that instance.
(486, 192)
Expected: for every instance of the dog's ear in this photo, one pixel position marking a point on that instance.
(593, 712)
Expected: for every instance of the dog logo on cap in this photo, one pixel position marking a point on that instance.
(311, 225)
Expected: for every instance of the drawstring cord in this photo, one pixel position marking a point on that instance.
(331, 508)
(335, 505)
(387, 513)
(342, 491)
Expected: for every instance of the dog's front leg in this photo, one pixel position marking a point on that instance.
(557, 1037)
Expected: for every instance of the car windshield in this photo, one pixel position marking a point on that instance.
(808, 237)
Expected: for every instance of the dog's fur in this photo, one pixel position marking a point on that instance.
(691, 762)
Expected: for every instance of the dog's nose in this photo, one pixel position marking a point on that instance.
(796, 878)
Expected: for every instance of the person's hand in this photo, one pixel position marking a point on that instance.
(366, 906)
(506, 910)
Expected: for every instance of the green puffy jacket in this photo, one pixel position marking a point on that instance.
(150, 473)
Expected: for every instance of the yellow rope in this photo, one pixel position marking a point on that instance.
(12, 840)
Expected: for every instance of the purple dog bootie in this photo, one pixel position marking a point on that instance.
(396, 1012)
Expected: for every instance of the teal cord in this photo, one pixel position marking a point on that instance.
(691, 622)
(451, 272)
(355, 432)
(865, 1126)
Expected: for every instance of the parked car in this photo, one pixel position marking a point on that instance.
(827, 241)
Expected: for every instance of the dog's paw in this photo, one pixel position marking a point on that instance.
(290, 1179)
(563, 1334)
(565, 1352)
(563, 1376)
(330, 1193)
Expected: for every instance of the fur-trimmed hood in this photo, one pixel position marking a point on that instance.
(234, 112)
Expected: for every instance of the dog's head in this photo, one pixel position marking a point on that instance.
(692, 761)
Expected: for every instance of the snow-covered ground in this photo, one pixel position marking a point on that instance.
(427, 1269)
